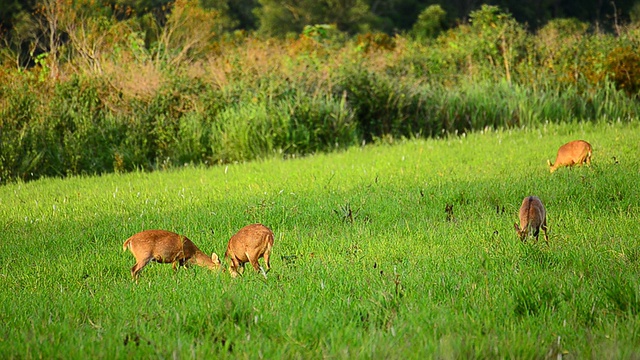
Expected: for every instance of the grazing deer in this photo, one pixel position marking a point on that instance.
(533, 216)
(166, 247)
(248, 245)
(572, 153)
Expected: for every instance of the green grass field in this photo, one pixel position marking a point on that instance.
(366, 262)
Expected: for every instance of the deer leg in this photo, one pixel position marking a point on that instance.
(536, 233)
(233, 268)
(138, 267)
(182, 263)
(256, 265)
(177, 264)
(267, 255)
(544, 228)
(254, 262)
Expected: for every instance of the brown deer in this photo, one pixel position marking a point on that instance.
(248, 245)
(166, 247)
(533, 216)
(572, 153)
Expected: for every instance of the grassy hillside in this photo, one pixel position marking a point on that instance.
(154, 94)
(366, 263)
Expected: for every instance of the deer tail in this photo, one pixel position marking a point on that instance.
(126, 244)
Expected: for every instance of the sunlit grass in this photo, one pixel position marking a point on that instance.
(367, 263)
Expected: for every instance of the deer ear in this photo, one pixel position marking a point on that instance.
(215, 258)
(515, 225)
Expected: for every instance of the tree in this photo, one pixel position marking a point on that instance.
(11, 10)
(241, 11)
(430, 22)
(188, 31)
(279, 18)
(18, 42)
(50, 18)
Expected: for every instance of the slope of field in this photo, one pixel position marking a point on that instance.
(367, 263)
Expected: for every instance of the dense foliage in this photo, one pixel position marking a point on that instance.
(390, 16)
(101, 94)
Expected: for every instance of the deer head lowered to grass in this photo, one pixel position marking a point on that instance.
(248, 245)
(533, 217)
(166, 247)
(572, 153)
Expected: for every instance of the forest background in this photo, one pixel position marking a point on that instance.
(89, 87)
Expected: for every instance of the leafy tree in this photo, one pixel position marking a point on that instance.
(501, 38)
(126, 9)
(187, 33)
(634, 13)
(559, 45)
(242, 12)
(18, 41)
(11, 10)
(393, 16)
(490, 46)
(460, 9)
(430, 22)
(279, 18)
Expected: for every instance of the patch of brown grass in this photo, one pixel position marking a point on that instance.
(134, 79)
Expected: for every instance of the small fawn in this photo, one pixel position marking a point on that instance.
(533, 216)
(166, 247)
(248, 245)
(572, 153)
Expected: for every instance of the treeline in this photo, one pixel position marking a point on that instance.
(389, 16)
(107, 94)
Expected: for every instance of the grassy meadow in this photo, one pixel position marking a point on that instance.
(366, 262)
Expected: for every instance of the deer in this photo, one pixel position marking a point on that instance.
(572, 153)
(247, 246)
(166, 247)
(533, 217)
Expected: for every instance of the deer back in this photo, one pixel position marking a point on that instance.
(574, 152)
(532, 213)
(253, 239)
(165, 247)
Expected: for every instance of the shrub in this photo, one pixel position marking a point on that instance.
(243, 132)
(430, 22)
(152, 102)
(192, 141)
(82, 139)
(379, 104)
(295, 124)
(19, 104)
(623, 65)
(318, 123)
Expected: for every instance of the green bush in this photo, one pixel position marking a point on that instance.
(192, 145)
(430, 22)
(318, 123)
(82, 138)
(380, 105)
(314, 93)
(298, 124)
(17, 159)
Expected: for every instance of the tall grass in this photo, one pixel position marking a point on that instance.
(367, 263)
(78, 131)
(305, 95)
